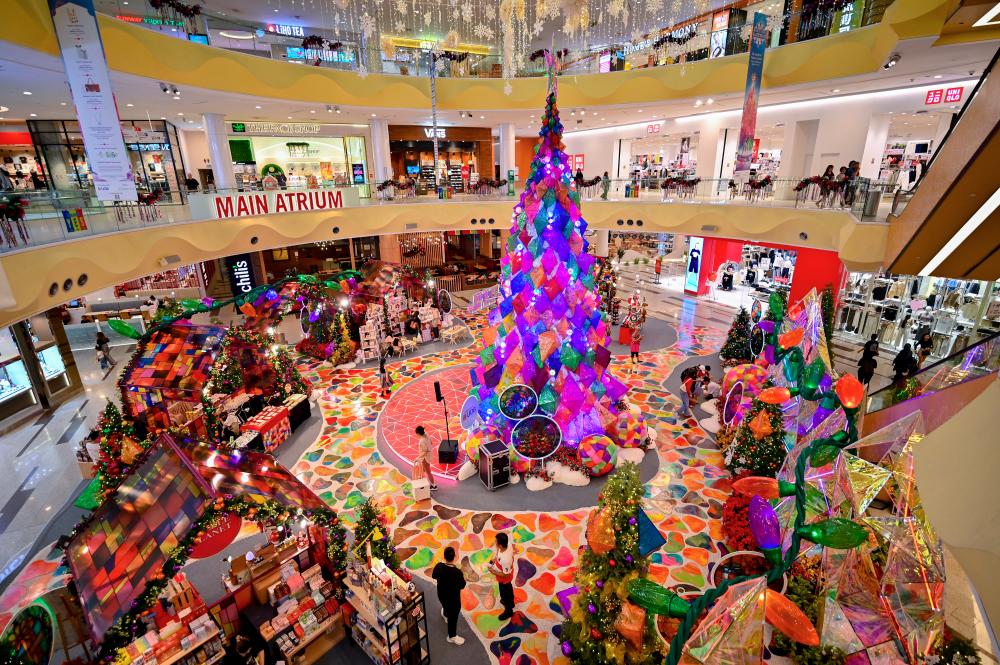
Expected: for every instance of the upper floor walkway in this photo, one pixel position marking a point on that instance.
(55, 255)
(133, 50)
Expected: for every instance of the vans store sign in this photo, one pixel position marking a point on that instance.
(251, 204)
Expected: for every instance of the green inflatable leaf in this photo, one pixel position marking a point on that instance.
(124, 329)
(308, 279)
(190, 303)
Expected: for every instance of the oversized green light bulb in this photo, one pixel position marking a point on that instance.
(812, 377)
(822, 455)
(837, 533)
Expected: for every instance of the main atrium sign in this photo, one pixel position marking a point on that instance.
(251, 204)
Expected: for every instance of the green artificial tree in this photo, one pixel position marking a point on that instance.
(290, 381)
(609, 563)
(227, 374)
(344, 349)
(759, 444)
(737, 350)
(372, 528)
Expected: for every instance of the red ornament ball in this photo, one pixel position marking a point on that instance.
(596, 634)
(611, 562)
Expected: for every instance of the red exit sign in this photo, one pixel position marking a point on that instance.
(947, 95)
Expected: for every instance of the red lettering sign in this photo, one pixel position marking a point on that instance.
(653, 129)
(246, 205)
(933, 96)
(218, 537)
(953, 95)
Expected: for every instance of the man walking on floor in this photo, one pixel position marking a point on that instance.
(450, 582)
(502, 567)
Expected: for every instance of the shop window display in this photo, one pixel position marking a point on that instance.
(299, 162)
(152, 147)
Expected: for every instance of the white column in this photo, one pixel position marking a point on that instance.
(218, 150)
(506, 149)
(841, 137)
(878, 134)
(797, 149)
(380, 150)
(709, 152)
(600, 241)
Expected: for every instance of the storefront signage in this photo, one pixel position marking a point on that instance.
(638, 46)
(276, 128)
(151, 20)
(326, 55)
(685, 33)
(133, 134)
(653, 129)
(430, 131)
(286, 30)
(755, 68)
(249, 204)
(239, 270)
(695, 247)
(576, 162)
(605, 62)
(938, 95)
(90, 84)
(148, 147)
(217, 537)
(358, 173)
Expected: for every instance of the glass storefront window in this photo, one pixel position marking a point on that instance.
(298, 161)
(152, 147)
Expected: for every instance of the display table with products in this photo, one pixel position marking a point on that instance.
(387, 615)
(298, 410)
(186, 637)
(273, 425)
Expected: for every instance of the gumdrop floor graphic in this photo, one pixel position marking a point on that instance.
(684, 498)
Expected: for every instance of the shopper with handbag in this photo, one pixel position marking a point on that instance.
(502, 566)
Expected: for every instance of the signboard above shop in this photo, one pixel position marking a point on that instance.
(286, 30)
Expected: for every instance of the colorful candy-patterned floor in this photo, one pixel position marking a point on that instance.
(684, 498)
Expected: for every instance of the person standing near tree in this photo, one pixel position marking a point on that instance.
(450, 582)
(424, 447)
(502, 566)
(104, 345)
(385, 379)
(634, 347)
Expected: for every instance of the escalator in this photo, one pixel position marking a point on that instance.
(939, 390)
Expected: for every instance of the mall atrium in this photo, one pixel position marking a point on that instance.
(500, 332)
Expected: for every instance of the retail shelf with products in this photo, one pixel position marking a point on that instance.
(389, 617)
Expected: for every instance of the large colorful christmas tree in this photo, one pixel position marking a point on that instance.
(547, 331)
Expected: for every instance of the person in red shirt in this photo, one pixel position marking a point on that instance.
(687, 389)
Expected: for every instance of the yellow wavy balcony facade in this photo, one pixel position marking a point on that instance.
(134, 50)
(37, 276)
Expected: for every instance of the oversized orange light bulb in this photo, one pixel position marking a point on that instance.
(786, 616)
(850, 391)
(764, 487)
(774, 395)
(791, 338)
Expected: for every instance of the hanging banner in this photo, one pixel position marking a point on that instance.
(755, 68)
(90, 84)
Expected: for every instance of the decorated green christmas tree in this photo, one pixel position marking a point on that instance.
(759, 444)
(604, 626)
(736, 350)
(373, 528)
(290, 380)
(343, 350)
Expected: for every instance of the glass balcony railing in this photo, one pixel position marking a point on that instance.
(57, 216)
(980, 359)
